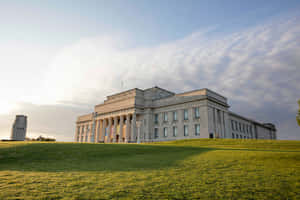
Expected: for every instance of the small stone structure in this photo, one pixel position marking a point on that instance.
(19, 127)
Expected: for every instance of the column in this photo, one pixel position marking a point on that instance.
(225, 120)
(127, 128)
(222, 124)
(109, 129)
(121, 128)
(98, 131)
(138, 132)
(217, 132)
(103, 130)
(80, 133)
(115, 129)
(133, 128)
(149, 125)
(76, 134)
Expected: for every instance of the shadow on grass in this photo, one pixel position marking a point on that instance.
(55, 157)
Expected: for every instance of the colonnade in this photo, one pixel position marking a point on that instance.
(116, 129)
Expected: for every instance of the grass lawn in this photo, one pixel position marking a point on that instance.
(186, 169)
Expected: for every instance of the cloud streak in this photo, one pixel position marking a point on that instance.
(262, 61)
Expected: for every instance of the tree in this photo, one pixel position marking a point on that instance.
(298, 116)
(41, 138)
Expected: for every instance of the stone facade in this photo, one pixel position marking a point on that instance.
(156, 114)
(19, 127)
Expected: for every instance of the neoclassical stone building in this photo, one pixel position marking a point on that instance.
(156, 114)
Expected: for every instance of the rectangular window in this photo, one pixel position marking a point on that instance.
(236, 125)
(165, 117)
(82, 130)
(240, 127)
(185, 130)
(185, 114)
(174, 116)
(165, 132)
(156, 118)
(174, 131)
(232, 126)
(155, 132)
(197, 112)
(197, 129)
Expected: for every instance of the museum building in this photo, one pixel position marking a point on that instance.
(156, 114)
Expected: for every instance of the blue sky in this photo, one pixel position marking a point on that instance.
(59, 58)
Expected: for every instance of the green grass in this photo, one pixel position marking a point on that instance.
(187, 169)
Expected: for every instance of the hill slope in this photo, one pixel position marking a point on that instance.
(187, 169)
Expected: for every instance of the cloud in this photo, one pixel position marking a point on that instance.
(255, 66)
(258, 69)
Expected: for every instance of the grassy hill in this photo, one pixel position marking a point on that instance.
(186, 169)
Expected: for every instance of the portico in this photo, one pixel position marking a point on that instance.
(112, 128)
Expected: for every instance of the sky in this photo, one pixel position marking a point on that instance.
(60, 58)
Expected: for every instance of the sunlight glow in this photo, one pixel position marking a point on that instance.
(6, 107)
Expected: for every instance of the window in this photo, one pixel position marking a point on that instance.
(197, 129)
(165, 132)
(236, 125)
(197, 112)
(244, 128)
(232, 135)
(232, 125)
(156, 133)
(174, 131)
(185, 114)
(174, 116)
(156, 118)
(82, 130)
(240, 127)
(165, 117)
(185, 130)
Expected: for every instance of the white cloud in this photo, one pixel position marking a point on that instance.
(257, 65)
